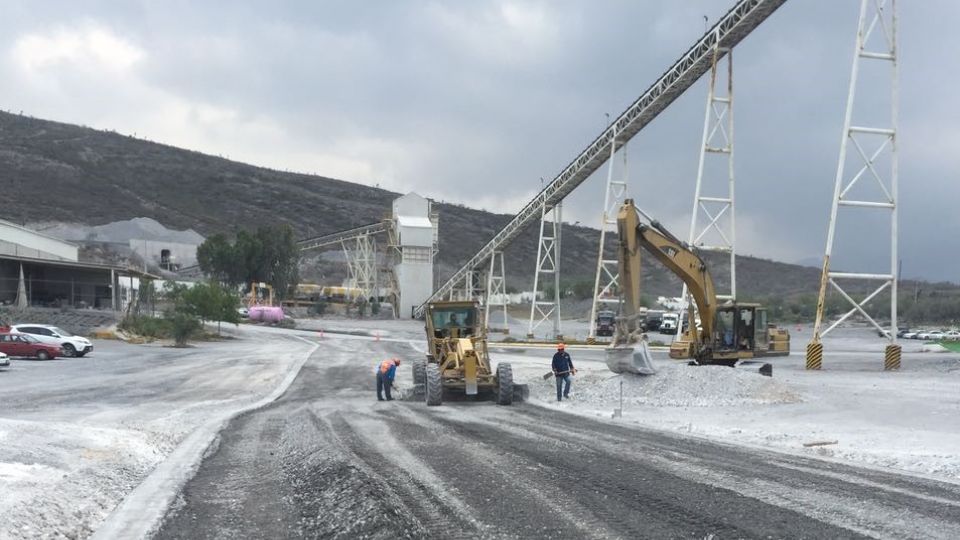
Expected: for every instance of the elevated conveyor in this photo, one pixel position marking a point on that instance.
(340, 236)
(735, 25)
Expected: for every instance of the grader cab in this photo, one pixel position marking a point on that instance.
(457, 361)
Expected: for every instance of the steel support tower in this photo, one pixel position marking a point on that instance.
(496, 293)
(548, 269)
(606, 280)
(878, 20)
(361, 255)
(718, 231)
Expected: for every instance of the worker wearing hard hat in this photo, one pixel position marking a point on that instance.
(562, 371)
(385, 375)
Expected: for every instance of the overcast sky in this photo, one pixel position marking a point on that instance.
(474, 102)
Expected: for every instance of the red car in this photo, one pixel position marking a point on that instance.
(27, 345)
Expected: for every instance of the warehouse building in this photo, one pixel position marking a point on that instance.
(38, 270)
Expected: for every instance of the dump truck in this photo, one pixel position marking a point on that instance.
(727, 333)
(457, 362)
(604, 323)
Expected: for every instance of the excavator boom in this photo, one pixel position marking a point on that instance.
(672, 253)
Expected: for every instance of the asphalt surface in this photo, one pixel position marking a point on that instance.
(328, 460)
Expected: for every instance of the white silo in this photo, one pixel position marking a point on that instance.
(415, 227)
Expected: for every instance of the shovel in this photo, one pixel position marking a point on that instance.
(549, 374)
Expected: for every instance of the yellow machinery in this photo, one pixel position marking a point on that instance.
(728, 332)
(256, 297)
(457, 359)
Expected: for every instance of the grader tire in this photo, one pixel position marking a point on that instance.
(433, 385)
(419, 372)
(504, 384)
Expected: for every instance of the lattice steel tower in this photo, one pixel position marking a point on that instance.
(878, 19)
(718, 232)
(548, 269)
(607, 278)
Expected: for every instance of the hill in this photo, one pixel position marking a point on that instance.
(56, 171)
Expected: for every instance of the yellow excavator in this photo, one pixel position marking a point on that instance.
(727, 334)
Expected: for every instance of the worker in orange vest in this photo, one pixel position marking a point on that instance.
(385, 376)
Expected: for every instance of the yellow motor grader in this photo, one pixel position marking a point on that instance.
(457, 361)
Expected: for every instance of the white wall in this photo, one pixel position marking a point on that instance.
(23, 242)
(416, 285)
(411, 204)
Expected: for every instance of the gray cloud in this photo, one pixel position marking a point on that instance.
(474, 102)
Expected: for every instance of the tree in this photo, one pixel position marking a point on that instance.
(183, 322)
(217, 259)
(280, 258)
(211, 302)
(270, 255)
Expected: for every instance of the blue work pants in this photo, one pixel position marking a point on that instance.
(563, 386)
(383, 386)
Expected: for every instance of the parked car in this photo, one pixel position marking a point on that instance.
(25, 345)
(952, 335)
(902, 333)
(4, 360)
(936, 335)
(72, 345)
(910, 335)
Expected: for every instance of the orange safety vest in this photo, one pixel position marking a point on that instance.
(386, 365)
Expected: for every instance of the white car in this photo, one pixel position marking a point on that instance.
(936, 335)
(4, 360)
(72, 345)
(910, 335)
(952, 335)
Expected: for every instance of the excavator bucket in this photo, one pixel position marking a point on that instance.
(634, 359)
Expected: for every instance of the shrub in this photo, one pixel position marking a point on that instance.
(183, 326)
(146, 326)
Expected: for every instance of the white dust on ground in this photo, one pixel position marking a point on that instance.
(66, 463)
(906, 421)
(672, 386)
(67, 476)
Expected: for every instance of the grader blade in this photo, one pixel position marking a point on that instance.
(633, 359)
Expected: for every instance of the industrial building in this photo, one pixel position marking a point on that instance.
(38, 270)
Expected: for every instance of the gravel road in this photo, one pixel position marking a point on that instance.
(328, 460)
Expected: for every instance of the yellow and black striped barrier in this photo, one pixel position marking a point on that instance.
(814, 355)
(891, 361)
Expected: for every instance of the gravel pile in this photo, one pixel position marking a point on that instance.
(675, 386)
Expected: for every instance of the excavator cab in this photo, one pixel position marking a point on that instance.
(740, 331)
(738, 327)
